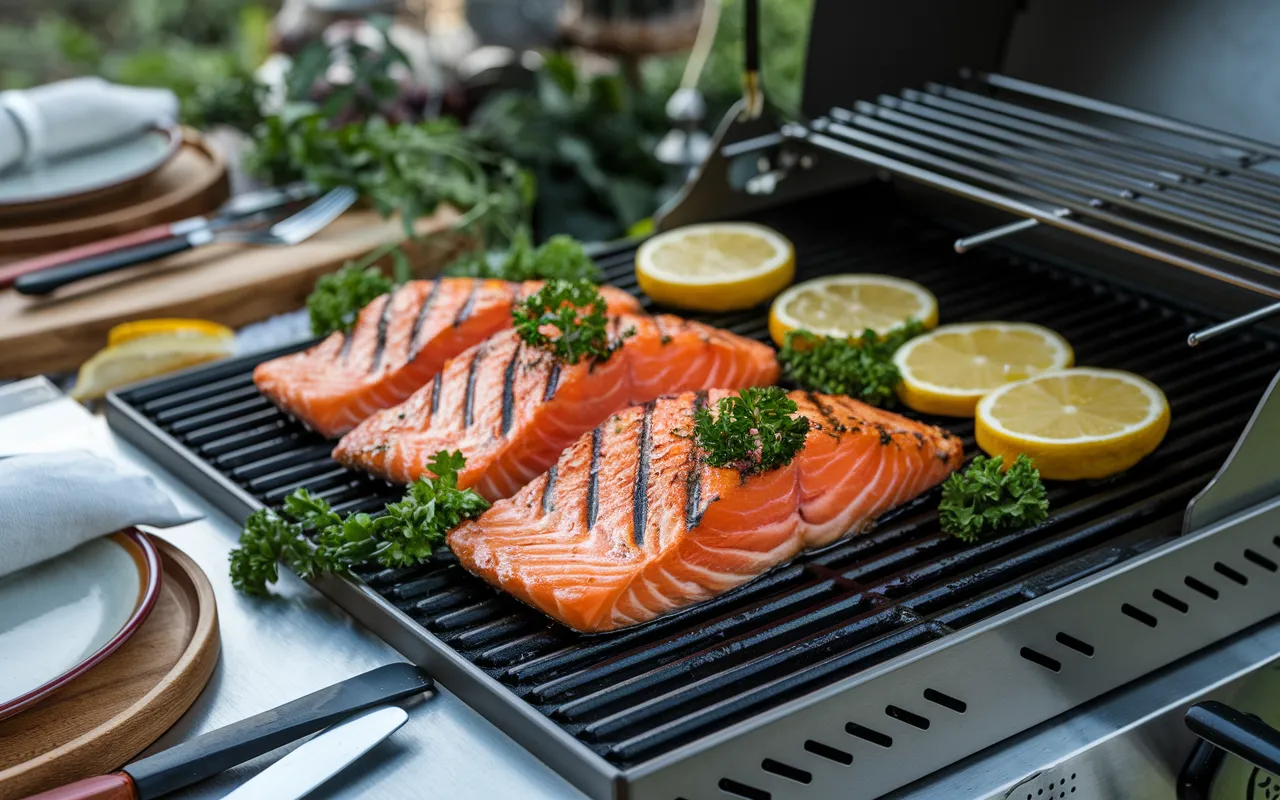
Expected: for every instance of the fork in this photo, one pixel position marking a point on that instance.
(288, 231)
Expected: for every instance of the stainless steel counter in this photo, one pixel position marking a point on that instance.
(277, 649)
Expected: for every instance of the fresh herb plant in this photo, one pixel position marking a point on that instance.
(752, 432)
(984, 498)
(861, 368)
(310, 538)
(560, 257)
(336, 301)
(576, 310)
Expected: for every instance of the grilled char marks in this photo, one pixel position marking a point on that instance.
(553, 380)
(469, 402)
(593, 485)
(693, 483)
(640, 492)
(427, 304)
(464, 313)
(384, 319)
(508, 388)
(435, 392)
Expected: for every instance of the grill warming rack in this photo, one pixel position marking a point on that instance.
(1155, 186)
(857, 669)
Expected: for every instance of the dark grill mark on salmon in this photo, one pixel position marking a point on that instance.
(435, 392)
(348, 337)
(830, 419)
(593, 485)
(384, 319)
(553, 380)
(640, 492)
(469, 400)
(548, 491)
(427, 304)
(508, 389)
(464, 313)
(693, 488)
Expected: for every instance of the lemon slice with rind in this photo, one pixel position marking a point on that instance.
(1076, 423)
(949, 369)
(146, 357)
(847, 305)
(138, 329)
(717, 266)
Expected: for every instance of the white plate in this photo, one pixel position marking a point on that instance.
(60, 617)
(81, 176)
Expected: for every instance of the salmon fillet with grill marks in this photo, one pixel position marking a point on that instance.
(511, 408)
(630, 524)
(399, 342)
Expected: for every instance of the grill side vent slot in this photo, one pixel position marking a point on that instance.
(945, 700)
(1260, 560)
(1051, 664)
(868, 735)
(730, 786)
(1171, 601)
(828, 752)
(1133, 612)
(1229, 573)
(1201, 587)
(786, 771)
(1067, 640)
(905, 716)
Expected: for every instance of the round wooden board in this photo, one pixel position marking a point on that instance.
(99, 721)
(193, 182)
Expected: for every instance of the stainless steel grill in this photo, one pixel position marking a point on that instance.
(727, 698)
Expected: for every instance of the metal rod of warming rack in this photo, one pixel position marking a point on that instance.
(967, 243)
(752, 91)
(1121, 112)
(1021, 209)
(1242, 321)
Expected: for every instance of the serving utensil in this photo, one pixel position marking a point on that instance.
(291, 230)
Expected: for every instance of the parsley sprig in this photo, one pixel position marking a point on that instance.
(559, 257)
(751, 432)
(335, 303)
(984, 498)
(861, 368)
(310, 538)
(576, 312)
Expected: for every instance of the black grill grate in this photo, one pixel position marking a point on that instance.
(637, 693)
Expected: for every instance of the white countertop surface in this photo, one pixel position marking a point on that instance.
(280, 648)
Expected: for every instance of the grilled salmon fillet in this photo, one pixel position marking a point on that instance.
(630, 524)
(511, 408)
(399, 342)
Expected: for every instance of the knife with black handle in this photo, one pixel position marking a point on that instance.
(213, 752)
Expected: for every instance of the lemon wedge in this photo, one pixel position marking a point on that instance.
(949, 369)
(718, 266)
(847, 305)
(145, 357)
(128, 331)
(1076, 423)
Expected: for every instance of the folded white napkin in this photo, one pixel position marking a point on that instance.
(55, 120)
(52, 502)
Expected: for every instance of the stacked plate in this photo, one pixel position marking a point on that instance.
(61, 617)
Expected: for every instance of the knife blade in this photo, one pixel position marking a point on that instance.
(213, 752)
(320, 758)
(158, 241)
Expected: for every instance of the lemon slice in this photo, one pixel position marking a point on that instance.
(847, 305)
(146, 357)
(719, 266)
(128, 331)
(949, 369)
(1076, 423)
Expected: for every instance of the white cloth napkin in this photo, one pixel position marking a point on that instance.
(52, 502)
(58, 119)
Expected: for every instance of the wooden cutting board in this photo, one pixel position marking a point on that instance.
(231, 284)
(101, 720)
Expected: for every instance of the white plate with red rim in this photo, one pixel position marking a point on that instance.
(61, 617)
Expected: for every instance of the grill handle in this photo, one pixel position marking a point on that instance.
(1222, 729)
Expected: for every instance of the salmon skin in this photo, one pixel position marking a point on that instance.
(512, 408)
(630, 524)
(399, 342)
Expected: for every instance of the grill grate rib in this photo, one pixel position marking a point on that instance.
(637, 693)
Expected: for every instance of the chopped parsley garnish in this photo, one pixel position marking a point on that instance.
(310, 538)
(862, 368)
(335, 303)
(752, 432)
(983, 498)
(576, 312)
(560, 257)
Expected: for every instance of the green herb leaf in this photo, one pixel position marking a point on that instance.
(862, 368)
(559, 257)
(309, 537)
(575, 310)
(335, 303)
(984, 498)
(752, 432)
